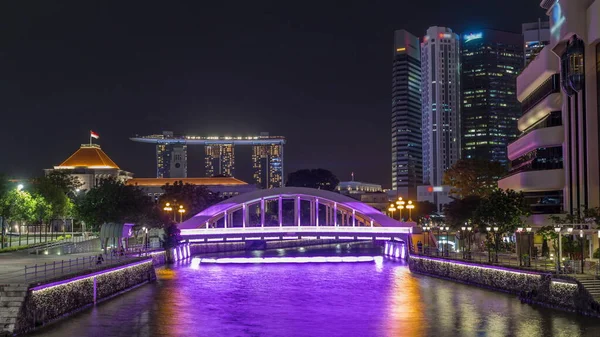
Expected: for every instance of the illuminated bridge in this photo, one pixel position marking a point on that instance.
(293, 213)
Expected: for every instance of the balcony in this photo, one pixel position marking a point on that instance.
(532, 181)
(550, 86)
(546, 137)
(552, 102)
(536, 73)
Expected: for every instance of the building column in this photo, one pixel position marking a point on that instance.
(353, 218)
(225, 219)
(280, 211)
(262, 212)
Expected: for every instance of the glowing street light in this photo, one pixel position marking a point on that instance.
(20, 187)
(410, 207)
(181, 210)
(400, 206)
(168, 208)
(392, 209)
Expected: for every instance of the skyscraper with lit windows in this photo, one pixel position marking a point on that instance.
(267, 162)
(407, 157)
(219, 160)
(440, 90)
(491, 60)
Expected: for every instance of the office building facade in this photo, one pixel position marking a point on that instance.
(555, 161)
(536, 35)
(407, 156)
(219, 160)
(440, 90)
(490, 62)
(171, 158)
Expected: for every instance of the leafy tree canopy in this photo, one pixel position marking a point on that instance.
(502, 209)
(460, 211)
(113, 201)
(313, 178)
(473, 177)
(194, 198)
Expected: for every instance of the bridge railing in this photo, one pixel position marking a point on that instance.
(297, 229)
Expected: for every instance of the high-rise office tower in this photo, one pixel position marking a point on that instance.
(219, 160)
(171, 157)
(440, 90)
(536, 35)
(407, 156)
(267, 162)
(490, 62)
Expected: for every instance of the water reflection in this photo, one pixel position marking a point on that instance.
(328, 299)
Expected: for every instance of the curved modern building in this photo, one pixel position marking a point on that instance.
(555, 160)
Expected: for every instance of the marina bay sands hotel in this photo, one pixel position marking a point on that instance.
(219, 156)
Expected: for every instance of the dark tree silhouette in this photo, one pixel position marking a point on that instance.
(313, 178)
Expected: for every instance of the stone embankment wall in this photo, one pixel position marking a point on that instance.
(531, 287)
(41, 304)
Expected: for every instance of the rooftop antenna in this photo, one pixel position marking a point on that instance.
(352, 176)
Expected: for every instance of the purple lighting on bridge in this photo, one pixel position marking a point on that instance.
(196, 262)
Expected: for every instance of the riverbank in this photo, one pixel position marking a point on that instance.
(531, 287)
(25, 307)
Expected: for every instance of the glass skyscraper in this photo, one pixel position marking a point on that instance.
(407, 160)
(440, 89)
(491, 61)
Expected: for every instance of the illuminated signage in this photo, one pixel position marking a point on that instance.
(558, 19)
(473, 36)
(400, 49)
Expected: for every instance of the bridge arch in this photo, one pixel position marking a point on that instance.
(325, 209)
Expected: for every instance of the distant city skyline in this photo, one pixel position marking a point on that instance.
(317, 78)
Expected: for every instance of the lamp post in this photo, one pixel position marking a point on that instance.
(392, 209)
(426, 231)
(582, 248)
(496, 238)
(400, 206)
(488, 230)
(519, 236)
(469, 229)
(181, 210)
(168, 209)
(529, 246)
(463, 229)
(557, 229)
(446, 253)
(410, 207)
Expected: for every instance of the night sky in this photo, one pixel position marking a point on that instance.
(316, 72)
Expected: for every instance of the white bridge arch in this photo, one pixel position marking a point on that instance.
(330, 215)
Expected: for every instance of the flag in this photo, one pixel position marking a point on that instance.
(94, 135)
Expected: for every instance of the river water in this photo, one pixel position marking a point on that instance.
(314, 299)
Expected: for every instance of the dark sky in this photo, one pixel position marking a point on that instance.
(316, 72)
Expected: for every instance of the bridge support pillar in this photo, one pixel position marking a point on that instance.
(297, 211)
(353, 218)
(317, 212)
(244, 215)
(262, 212)
(225, 219)
(280, 211)
(396, 249)
(335, 218)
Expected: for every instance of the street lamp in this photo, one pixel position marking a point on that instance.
(400, 206)
(181, 210)
(462, 239)
(20, 187)
(488, 230)
(410, 207)
(558, 229)
(168, 208)
(469, 228)
(426, 231)
(392, 209)
(496, 238)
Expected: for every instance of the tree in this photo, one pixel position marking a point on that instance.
(547, 233)
(313, 178)
(194, 198)
(473, 177)
(502, 209)
(113, 201)
(460, 211)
